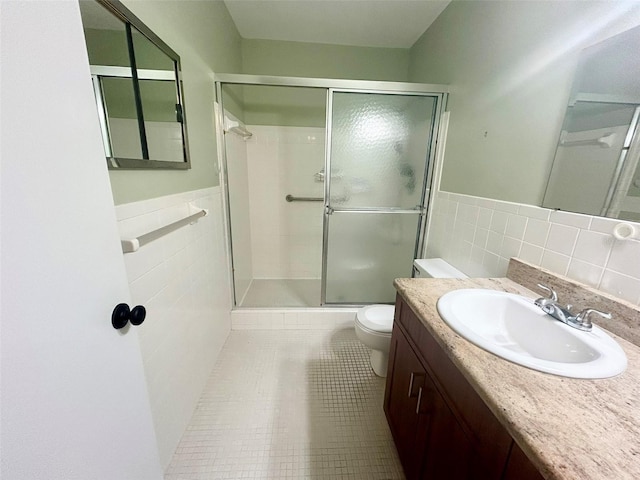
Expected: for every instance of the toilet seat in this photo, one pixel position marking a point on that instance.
(376, 318)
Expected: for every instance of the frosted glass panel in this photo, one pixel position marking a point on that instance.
(366, 252)
(379, 149)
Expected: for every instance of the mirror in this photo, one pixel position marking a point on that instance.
(595, 170)
(136, 80)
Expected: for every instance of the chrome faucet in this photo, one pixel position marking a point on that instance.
(550, 306)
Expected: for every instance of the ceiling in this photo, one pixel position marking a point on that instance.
(364, 23)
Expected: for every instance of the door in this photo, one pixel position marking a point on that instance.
(378, 151)
(74, 399)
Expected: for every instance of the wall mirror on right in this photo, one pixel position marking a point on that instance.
(136, 82)
(596, 169)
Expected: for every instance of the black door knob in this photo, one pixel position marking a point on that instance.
(138, 315)
(123, 314)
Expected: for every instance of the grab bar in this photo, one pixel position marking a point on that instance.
(132, 245)
(291, 198)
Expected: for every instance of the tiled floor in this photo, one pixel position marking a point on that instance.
(289, 405)
(283, 293)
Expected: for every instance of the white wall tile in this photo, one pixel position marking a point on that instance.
(625, 258)
(579, 246)
(570, 219)
(494, 242)
(490, 264)
(516, 225)
(499, 222)
(593, 247)
(585, 272)
(621, 286)
(292, 319)
(536, 232)
(603, 225)
(487, 203)
(555, 262)
(480, 237)
(538, 213)
(484, 217)
(531, 253)
(282, 161)
(182, 279)
(510, 247)
(561, 239)
(507, 207)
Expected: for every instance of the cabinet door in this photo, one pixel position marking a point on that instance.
(519, 467)
(405, 388)
(449, 452)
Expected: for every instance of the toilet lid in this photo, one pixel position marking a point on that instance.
(376, 317)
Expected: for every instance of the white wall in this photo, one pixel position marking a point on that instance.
(286, 237)
(479, 235)
(182, 281)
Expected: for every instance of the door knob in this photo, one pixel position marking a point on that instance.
(123, 314)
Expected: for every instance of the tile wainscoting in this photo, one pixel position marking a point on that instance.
(292, 318)
(182, 281)
(479, 236)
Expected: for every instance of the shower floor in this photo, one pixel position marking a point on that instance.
(283, 292)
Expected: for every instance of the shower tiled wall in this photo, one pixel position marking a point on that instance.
(182, 280)
(479, 235)
(286, 238)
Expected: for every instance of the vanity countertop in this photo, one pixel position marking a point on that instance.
(569, 428)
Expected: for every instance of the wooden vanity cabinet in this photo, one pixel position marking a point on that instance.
(441, 427)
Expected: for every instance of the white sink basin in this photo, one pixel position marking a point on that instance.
(513, 328)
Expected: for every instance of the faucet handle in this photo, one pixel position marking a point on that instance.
(584, 317)
(553, 296)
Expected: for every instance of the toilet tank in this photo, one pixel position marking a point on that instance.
(435, 268)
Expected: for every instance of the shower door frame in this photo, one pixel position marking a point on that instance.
(420, 210)
(440, 92)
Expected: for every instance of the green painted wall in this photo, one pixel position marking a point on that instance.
(204, 35)
(510, 66)
(298, 59)
(306, 107)
(284, 106)
(206, 39)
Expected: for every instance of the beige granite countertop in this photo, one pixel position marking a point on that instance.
(569, 428)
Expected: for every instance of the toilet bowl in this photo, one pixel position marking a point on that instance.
(374, 323)
(373, 328)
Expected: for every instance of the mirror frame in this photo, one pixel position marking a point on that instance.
(116, 8)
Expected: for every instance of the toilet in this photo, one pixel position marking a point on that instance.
(374, 323)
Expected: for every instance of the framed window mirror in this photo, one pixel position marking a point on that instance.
(136, 82)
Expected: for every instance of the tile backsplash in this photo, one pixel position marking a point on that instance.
(479, 236)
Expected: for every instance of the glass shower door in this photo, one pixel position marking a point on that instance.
(378, 154)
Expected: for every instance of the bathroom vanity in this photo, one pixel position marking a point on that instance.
(457, 411)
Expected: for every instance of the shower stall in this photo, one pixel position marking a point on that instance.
(326, 185)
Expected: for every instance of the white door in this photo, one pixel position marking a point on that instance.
(74, 401)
